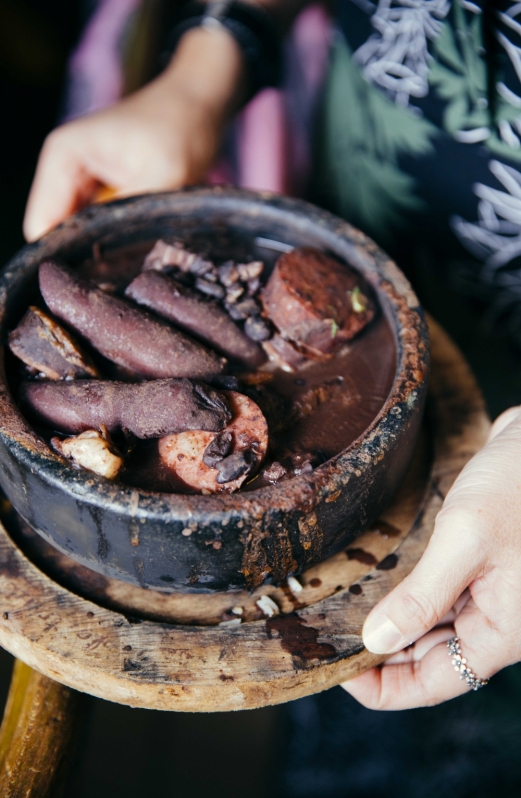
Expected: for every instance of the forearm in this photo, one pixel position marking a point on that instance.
(209, 65)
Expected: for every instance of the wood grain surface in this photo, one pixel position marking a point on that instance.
(180, 652)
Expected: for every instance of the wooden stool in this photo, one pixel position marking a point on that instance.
(203, 653)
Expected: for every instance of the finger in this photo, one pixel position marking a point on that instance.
(418, 650)
(503, 421)
(426, 682)
(427, 676)
(450, 562)
(62, 184)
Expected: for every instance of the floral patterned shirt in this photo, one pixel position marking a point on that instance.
(422, 136)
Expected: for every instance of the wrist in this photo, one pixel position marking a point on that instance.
(208, 69)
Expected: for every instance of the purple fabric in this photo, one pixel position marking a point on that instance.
(95, 74)
(270, 146)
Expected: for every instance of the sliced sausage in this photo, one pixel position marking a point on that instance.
(184, 454)
(316, 302)
(147, 409)
(188, 310)
(124, 334)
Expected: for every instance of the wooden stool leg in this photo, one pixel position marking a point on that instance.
(35, 735)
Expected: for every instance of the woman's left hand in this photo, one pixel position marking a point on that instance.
(468, 583)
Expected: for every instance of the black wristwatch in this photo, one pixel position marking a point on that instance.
(254, 30)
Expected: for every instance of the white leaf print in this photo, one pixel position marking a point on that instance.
(396, 57)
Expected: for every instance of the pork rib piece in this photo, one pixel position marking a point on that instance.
(147, 409)
(316, 302)
(187, 309)
(124, 334)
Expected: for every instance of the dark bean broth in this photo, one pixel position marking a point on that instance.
(319, 411)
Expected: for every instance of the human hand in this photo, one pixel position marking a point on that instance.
(467, 583)
(162, 137)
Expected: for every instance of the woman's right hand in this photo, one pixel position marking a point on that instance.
(164, 136)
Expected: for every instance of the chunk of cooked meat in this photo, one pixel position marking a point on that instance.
(91, 450)
(122, 333)
(283, 354)
(187, 309)
(184, 454)
(44, 346)
(316, 302)
(164, 256)
(147, 409)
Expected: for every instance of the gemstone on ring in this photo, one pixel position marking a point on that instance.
(460, 665)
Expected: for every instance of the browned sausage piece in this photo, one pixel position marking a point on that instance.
(188, 310)
(46, 348)
(122, 333)
(147, 409)
(185, 455)
(315, 301)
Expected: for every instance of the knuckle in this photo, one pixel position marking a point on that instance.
(419, 609)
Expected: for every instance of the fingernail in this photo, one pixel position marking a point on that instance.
(382, 636)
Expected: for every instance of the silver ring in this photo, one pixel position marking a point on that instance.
(460, 665)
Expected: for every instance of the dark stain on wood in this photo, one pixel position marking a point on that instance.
(10, 567)
(360, 555)
(388, 563)
(132, 665)
(224, 678)
(356, 590)
(299, 639)
(315, 582)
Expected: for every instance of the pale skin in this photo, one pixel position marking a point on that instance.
(468, 581)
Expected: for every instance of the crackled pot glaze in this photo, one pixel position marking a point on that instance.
(262, 535)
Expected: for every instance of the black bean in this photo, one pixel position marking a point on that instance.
(234, 293)
(210, 289)
(245, 308)
(200, 266)
(275, 472)
(249, 271)
(253, 286)
(218, 449)
(228, 273)
(227, 383)
(233, 467)
(257, 329)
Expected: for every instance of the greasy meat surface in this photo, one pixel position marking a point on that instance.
(147, 409)
(187, 309)
(124, 334)
(48, 349)
(316, 302)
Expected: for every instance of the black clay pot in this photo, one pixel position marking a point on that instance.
(265, 534)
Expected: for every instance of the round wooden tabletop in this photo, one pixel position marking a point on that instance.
(201, 653)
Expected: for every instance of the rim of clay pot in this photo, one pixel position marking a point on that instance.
(399, 304)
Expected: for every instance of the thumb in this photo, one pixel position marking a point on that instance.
(62, 184)
(449, 564)
(502, 421)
